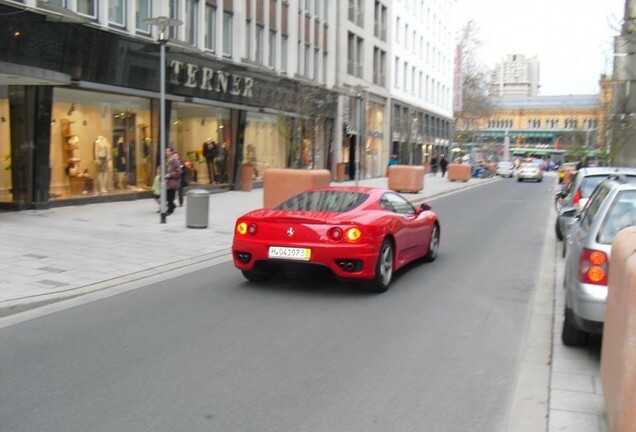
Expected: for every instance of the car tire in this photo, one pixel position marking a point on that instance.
(433, 245)
(383, 269)
(565, 249)
(557, 229)
(518, 179)
(570, 335)
(255, 277)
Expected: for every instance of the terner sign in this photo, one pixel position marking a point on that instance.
(210, 80)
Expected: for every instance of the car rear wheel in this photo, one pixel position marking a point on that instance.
(557, 228)
(433, 245)
(383, 269)
(572, 336)
(255, 277)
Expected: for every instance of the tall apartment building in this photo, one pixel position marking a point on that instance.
(279, 83)
(515, 76)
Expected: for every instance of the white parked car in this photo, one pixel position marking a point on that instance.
(505, 169)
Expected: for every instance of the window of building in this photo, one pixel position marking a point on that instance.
(175, 13)
(228, 31)
(307, 59)
(117, 13)
(397, 73)
(210, 27)
(284, 46)
(271, 62)
(192, 21)
(260, 44)
(87, 8)
(397, 30)
(317, 64)
(143, 12)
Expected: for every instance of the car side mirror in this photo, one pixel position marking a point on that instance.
(571, 212)
(425, 207)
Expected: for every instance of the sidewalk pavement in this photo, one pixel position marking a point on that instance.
(65, 252)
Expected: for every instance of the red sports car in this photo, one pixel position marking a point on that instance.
(358, 233)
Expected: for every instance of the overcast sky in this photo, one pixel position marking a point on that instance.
(572, 39)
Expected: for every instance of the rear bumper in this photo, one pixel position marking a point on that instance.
(588, 304)
(328, 256)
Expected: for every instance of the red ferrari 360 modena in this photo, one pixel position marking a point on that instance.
(358, 233)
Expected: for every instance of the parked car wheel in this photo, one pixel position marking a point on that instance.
(383, 270)
(570, 335)
(557, 228)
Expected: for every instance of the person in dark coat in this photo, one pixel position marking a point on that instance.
(173, 177)
(443, 164)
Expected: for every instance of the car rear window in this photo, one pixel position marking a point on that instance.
(589, 183)
(621, 214)
(324, 201)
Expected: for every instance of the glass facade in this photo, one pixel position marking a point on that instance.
(100, 144)
(5, 147)
(266, 142)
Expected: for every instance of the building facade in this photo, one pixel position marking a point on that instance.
(281, 84)
(246, 80)
(515, 76)
(421, 80)
(543, 127)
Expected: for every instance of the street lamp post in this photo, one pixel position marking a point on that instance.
(163, 25)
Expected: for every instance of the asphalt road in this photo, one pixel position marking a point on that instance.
(211, 352)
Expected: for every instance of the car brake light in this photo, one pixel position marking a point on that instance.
(577, 197)
(243, 228)
(353, 234)
(593, 267)
(335, 233)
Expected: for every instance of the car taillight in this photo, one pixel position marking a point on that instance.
(353, 234)
(244, 228)
(577, 197)
(335, 234)
(593, 267)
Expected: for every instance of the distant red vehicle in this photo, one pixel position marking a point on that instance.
(355, 233)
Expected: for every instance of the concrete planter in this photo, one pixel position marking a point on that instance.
(618, 373)
(406, 178)
(459, 172)
(280, 184)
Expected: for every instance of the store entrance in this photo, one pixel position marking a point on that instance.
(124, 150)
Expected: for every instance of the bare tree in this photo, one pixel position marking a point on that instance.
(476, 103)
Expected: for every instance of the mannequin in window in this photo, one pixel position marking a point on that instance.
(120, 163)
(103, 162)
(209, 152)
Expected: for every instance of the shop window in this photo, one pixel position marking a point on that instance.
(5, 148)
(100, 144)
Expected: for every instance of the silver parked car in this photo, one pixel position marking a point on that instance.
(530, 171)
(610, 208)
(572, 198)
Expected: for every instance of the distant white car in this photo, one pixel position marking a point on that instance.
(530, 171)
(505, 169)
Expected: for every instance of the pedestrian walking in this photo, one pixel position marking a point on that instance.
(434, 165)
(443, 164)
(183, 180)
(156, 188)
(173, 177)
